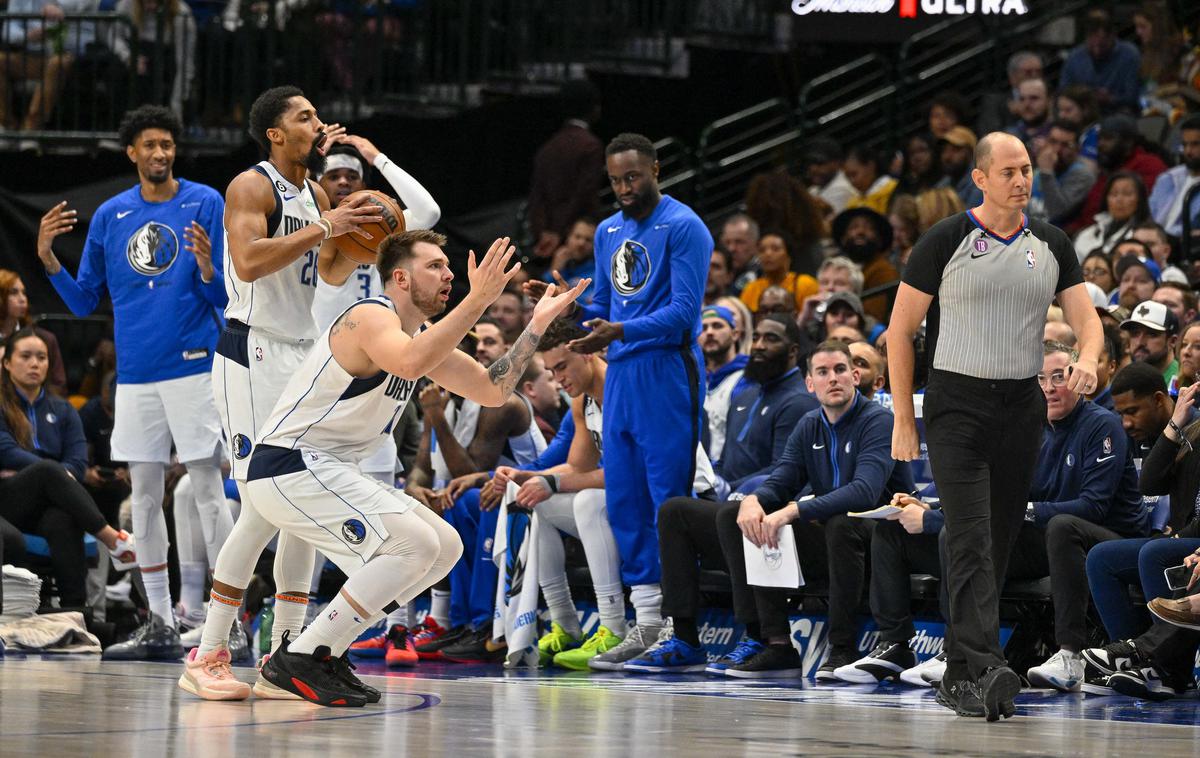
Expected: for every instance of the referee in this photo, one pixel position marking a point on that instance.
(982, 280)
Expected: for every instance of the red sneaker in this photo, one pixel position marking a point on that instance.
(427, 632)
(400, 648)
(372, 647)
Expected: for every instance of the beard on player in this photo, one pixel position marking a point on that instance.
(431, 301)
(315, 160)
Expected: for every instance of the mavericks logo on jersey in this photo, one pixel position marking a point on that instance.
(353, 531)
(152, 249)
(630, 268)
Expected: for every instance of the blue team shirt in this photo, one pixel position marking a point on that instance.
(650, 277)
(166, 319)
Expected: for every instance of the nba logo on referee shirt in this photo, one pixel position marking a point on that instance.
(1030, 259)
(353, 531)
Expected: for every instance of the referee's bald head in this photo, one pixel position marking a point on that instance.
(990, 141)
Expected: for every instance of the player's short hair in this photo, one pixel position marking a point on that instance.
(1065, 126)
(560, 332)
(1189, 296)
(1190, 124)
(629, 141)
(1140, 378)
(720, 250)
(146, 117)
(844, 263)
(831, 346)
(1050, 347)
(791, 330)
(266, 111)
(397, 249)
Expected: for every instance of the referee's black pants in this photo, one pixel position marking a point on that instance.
(983, 436)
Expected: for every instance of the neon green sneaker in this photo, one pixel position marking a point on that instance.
(577, 660)
(555, 642)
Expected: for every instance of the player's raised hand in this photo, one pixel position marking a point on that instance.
(491, 275)
(58, 220)
(534, 289)
(349, 216)
(334, 133)
(196, 242)
(364, 146)
(603, 334)
(554, 302)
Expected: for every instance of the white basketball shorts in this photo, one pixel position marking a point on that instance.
(149, 415)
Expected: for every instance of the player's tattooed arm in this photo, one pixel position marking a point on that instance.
(345, 322)
(506, 372)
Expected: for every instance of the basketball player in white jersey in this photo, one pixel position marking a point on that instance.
(570, 498)
(304, 476)
(277, 223)
(346, 166)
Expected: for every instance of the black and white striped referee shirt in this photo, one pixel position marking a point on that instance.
(990, 294)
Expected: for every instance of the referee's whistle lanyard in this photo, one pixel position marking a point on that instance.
(758, 401)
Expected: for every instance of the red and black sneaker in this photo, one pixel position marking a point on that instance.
(316, 676)
(371, 647)
(430, 640)
(346, 672)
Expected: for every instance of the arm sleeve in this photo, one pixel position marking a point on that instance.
(929, 258)
(872, 469)
(1069, 271)
(421, 211)
(555, 453)
(74, 453)
(789, 475)
(1158, 468)
(786, 421)
(82, 293)
(213, 221)
(691, 248)
(1101, 476)
(13, 457)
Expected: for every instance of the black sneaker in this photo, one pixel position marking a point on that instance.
(997, 688)
(838, 657)
(1118, 656)
(1145, 683)
(886, 661)
(154, 640)
(1095, 681)
(962, 697)
(476, 647)
(315, 676)
(772, 662)
(345, 670)
(434, 648)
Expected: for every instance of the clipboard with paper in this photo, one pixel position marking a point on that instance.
(777, 566)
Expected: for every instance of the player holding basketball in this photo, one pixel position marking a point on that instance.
(166, 332)
(277, 222)
(651, 264)
(345, 173)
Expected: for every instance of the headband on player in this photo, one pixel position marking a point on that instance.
(342, 160)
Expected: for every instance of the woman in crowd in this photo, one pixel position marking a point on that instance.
(1125, 205)
(1188, 355)
(774, 258)
(905, 219)
(946, 111)
(14, 315)
(776, 200)
(1098, 269)
(921, 169)
(1077, 104)
(1162, 49)
(44, 456)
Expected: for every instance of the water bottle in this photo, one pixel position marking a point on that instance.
(264, 626)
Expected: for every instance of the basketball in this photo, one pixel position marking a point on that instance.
(364, 250)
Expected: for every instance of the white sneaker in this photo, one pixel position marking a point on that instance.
(192, 619)
(124, 556)
(926, 674)
(1063, 672)
(191, 638)
(636, 642)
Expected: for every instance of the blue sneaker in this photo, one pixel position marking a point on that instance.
(745, 650)
(671, 655)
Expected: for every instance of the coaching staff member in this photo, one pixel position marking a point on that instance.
(983, 280)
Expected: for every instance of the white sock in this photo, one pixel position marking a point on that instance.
(158, 595)
(352, 634)
(401, 616)
(289, 615)
(439, 606)
(647, 604)
(611, 602)
(191, 585)
(558, 602)
(222, 612)
(339, 621)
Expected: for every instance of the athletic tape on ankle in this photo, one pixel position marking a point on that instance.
(289, 598)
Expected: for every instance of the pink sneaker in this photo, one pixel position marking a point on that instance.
(210, 677)
(124, 556)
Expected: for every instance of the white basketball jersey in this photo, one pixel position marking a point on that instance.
(279, 303)
(329, 301)
(522, 449)
(593, 420)
(324, 408)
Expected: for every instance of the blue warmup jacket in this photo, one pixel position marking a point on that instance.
(760, 420)
(166, 319)
(847, 465)
(57, 436)
(1086, 469)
